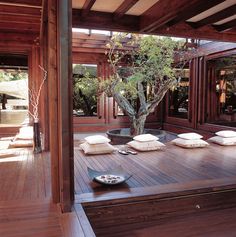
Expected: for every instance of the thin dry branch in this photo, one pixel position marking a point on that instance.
(34, 96)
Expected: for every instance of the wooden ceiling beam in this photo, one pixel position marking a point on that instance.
(227, 12)
(19, 11)
(104, 21)
(19, 19)
(226, 26)
(37, 3)
(19, 27)
(193, 9)
(160, 13)
(17, 37)
(87, 7)
(186, 31)
(123, 8)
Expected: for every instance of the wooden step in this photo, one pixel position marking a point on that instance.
(142, 211)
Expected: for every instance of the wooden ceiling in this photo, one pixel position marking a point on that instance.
(20, 22)
(212, 19)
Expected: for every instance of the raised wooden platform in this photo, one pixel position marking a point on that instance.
(174, 165)
(166, 184)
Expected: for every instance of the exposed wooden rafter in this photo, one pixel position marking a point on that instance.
(87, 7)
(229, 11)
(123, 8)
(160, 13)
(128, 23)
(104, 21)
(226, 26)
(193, 9)
(35, 3)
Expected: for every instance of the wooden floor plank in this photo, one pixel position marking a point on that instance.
(173, 165)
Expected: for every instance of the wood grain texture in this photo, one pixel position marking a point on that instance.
(174, 165)
(26, 208)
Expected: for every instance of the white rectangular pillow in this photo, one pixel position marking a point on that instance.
(195, 143)
(224, 141)
(93, 149)
(190, 136)
(226, 133)
(146, 146)
(97, 139)
(145, 138)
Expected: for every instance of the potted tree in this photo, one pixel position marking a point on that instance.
(149, 64)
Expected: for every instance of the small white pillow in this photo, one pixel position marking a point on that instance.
(21, 143)
(25, 133)
(189, 143)
(226, 133)
(224, 141)
(145, 138)
(94, 149)
(96, 139)
(190, 136)
(146, 146)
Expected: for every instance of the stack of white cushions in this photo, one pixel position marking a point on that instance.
(146, 142)
(189, 140)
(97, 144)
(224, 138)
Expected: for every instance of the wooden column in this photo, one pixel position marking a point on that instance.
(60, 104)
(65, 104)
(53, 98)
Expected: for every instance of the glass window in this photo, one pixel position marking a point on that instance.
(223, 97)
(85, 83)
(179, 95)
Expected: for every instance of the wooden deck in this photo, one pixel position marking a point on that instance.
(176, 184)
(174, 165)
(26, 208)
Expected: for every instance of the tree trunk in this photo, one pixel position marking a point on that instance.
(137, 125)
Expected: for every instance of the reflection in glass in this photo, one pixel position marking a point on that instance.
(179, 96)
(224, 112)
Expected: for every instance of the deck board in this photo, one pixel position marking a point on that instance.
(173, 165)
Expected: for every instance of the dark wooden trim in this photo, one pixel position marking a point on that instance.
(229, 11)
(123, 8)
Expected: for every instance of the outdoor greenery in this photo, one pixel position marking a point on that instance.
(12, 75)
(85, 90)
(149, 61)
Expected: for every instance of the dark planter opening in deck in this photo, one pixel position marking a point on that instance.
(122, 136)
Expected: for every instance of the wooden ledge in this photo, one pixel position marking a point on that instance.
(156, 192)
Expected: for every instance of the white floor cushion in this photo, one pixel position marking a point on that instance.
(146, 146)
(224, 141)
(195, 143)
(94, 149)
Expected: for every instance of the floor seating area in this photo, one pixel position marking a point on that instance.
(10, 146)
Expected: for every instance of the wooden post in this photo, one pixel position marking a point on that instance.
(53, 98)
(60, 101)
(65, 104)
